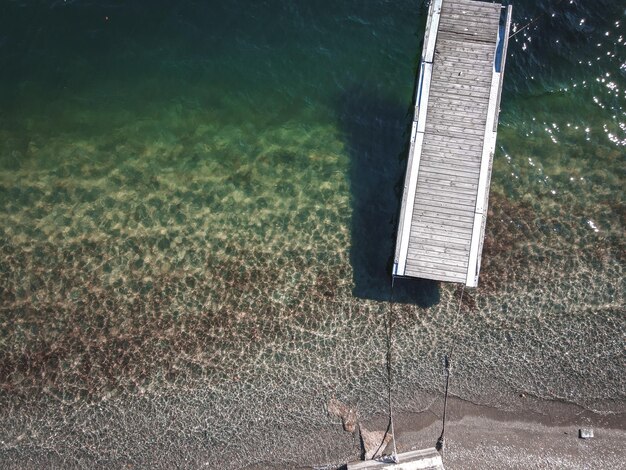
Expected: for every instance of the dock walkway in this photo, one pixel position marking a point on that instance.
(444, 205)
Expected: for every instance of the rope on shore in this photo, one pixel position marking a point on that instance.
(441, 442)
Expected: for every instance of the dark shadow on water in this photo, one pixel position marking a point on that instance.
(376, 134)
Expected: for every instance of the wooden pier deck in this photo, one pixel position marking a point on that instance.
(446, 191)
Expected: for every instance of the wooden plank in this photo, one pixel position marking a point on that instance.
(467, 130)
(450, 132)
(474, 21)
(467, 109)
(445, 203)
(444, 42)
(461, 232)
(466, 96)
(464, 64)
(441, 212)
(448, 102)
(462, 97)
(435, 264)
(444, 185)
(428, 253)
(478, 88)
(462, 202)
(456, 156)
(434, 275)
(455, 120)
(440, 116)
(441, 216)
(475, 8)
(480, 58)
(441, 240)
(460, 32)
(451, 156)
(454, 79)
(427, 244)
(465, 224)
(455, 111)
(440, 251)
(456, 125)
(482, 8)
(449, 235)
(457, 73)
(452, 76)
(470, 23)
(420, 228)
(429, 173)
(446, 167)
(467, 168)
(458, 199)
(471, 5)
(454, 66)
(438, 113)
(455, 267)
(442, 205)
(454, 142)
(461, 173)
(444, 273)
(462, 149)
(427, 259)
(479, 54)
(453, 192)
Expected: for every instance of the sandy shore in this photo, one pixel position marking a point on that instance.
(479, 437)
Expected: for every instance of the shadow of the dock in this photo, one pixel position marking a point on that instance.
(376, 133)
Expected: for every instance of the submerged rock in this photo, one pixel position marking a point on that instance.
(347, 414)
(374, 442)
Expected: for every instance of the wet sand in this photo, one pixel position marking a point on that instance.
(480, 437)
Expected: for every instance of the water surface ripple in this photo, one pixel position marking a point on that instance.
(198, 205)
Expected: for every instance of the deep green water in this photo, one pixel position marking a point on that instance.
(198, 205)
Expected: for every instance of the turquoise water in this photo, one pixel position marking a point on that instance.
(198, 211)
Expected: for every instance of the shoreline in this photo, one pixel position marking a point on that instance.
(481, 436)
(477, 436)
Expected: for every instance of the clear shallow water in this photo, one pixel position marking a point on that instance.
(198, 214)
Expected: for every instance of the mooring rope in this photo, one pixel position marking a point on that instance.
(447, 365)
(440, 446)
(394, 456)
(534, 20)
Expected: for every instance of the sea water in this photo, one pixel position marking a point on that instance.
(198, 212)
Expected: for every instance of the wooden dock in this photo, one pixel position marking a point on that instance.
(425, 459)
(446, 191)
